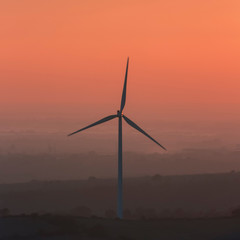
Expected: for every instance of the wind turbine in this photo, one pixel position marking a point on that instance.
(120, 115)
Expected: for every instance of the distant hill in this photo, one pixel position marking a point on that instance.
(189, 196)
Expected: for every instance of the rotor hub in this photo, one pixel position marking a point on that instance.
(119, 114)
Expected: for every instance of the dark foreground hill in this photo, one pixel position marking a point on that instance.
(48, 227)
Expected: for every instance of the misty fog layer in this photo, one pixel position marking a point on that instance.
(52, 166)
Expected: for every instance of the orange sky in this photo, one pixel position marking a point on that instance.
(61, 56)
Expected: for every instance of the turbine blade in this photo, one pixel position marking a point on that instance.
(94, 124)
(124, 89)
(134, 125)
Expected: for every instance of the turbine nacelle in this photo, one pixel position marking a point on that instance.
(119, 114)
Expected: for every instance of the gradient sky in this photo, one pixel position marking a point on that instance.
(66, 59)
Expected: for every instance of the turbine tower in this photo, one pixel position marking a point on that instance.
(120, 116)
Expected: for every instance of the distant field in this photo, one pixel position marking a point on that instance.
(59, 227)
(185, 196)
(187, 207)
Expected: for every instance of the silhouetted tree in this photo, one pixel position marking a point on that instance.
(110, 213)
(150, 213)
(127, 214)
(34, 215)
(178, 213)
(92, 179)
(143, 213)
(81, 211)
(157, 178)
(4, 212)
(211, 213)
(236, 212)
(138, 213)
(166, 213)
